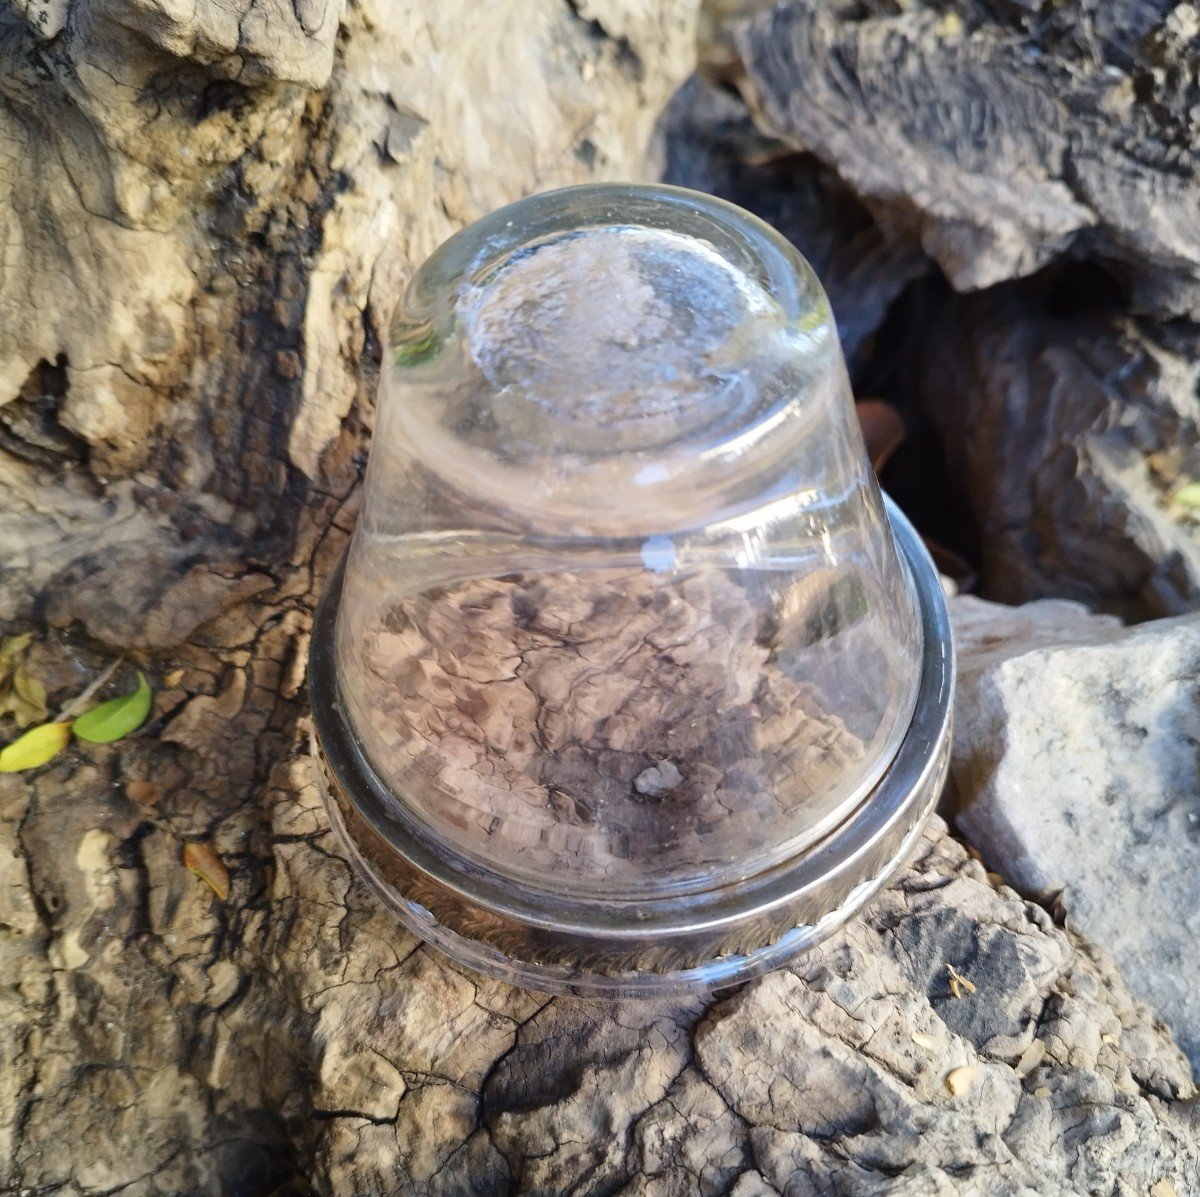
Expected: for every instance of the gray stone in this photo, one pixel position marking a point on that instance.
(1077, 772)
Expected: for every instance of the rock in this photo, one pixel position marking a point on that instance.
(1003, 136)
(1076, 771)
(1068, 436)
(987, 634)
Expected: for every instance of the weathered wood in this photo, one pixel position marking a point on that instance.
(200, 252)
(1069, 435)
(1003, 136)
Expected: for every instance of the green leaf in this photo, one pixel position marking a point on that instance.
(35, 747)
(116, 718)
(1188, 496)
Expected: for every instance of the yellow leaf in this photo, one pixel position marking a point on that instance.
(35, 747)
(31, 695)
(208, 866)
(1188, 496)
(29, 687)
(12, 646)
(24, 713)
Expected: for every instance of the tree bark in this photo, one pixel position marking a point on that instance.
(210, 211)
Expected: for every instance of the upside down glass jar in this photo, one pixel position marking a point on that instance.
(632, 682)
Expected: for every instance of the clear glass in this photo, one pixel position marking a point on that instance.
(623, 616)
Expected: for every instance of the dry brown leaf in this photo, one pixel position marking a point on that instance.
(31, 693)
(208, 866)
(173, 678)
(960, 1080)
(883, 430)
(952, 565)
(144, 793)
(14, 646)
(1031, 1057)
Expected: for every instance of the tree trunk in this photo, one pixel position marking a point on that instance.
(211, 210)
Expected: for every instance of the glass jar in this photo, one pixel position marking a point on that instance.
(629, 684)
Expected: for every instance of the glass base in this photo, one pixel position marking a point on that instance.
(637, 948)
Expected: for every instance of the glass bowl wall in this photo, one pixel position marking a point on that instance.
(624, 623)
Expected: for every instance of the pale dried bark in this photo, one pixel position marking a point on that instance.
(200, 253)
(830, 1077)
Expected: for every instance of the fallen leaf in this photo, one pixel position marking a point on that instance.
(27, 701)
(24, 713)
(35, 747)
(960, 1080)
(923, 1039)
(29, 688)
(208, 866)
(1163, 1188)
(116, 718)
(952, 565)
(883, 430)
(144, 793)
(173, 678)
(1188, 496)
(1031, 1057)
(12, 646)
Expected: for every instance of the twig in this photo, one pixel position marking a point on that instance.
(77, 704)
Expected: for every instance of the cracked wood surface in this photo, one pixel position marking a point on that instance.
(1002, 136)
(199, 254)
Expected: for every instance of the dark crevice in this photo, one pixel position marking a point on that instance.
(30, 427)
